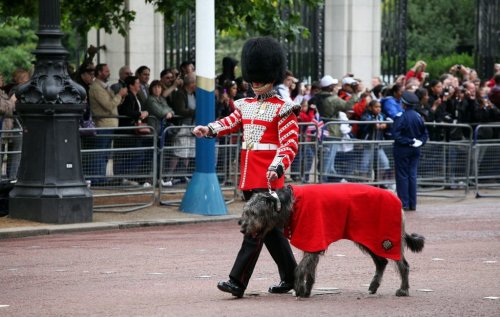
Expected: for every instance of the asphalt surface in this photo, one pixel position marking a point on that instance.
(172, 270)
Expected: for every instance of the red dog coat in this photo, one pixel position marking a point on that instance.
(323, 214)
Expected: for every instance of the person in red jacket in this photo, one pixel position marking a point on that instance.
(270, 143)
(417, 71)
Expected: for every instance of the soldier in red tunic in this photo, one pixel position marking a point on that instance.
(270, 143)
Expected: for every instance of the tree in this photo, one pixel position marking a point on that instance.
(85, 14)
(440, 27)
(278, 18)
(17, 40)
(236, 17)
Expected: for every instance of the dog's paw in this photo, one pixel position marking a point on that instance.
(301, 290)
(402, 292)
(373, 287)
(302, 294)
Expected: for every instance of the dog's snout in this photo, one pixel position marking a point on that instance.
(239, 222)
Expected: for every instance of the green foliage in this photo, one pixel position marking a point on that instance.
(439, 65)
(17, 41)
(83, 14)
(438, 27)
(101, 14)
(238, 18)
(244, 18)
(234, 19)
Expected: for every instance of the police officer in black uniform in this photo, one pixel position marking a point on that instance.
(409, 134)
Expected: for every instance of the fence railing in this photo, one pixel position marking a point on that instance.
(120, 164)
(486, 161)
(176, 157)
(127, 171)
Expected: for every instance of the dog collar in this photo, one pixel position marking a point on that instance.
(274, 195)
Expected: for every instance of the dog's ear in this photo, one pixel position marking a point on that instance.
(284, 194)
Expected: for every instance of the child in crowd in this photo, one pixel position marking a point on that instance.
(373, 132)
(311, 132)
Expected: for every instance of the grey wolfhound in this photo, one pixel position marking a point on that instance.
(314, 216)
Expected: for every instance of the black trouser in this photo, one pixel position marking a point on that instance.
(277, 245)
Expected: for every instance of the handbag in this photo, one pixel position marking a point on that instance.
(142, 128)
(89, 126)
(171, 132)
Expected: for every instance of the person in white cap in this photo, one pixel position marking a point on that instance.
(326, 100)
(349, 91)
(328, 105)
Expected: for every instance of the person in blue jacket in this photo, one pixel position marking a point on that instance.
(391, 104)
(409, 134)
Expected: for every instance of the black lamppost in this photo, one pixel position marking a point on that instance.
(50, 186)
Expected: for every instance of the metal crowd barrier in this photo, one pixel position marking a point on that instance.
(486, 160)
(357, 160)
(176, 160)
(303, 167)
(10, 153)
(444, 167)
(448, 166)
(120, 168)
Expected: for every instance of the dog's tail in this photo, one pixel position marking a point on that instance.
(414, 242)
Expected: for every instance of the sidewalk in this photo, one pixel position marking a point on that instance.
(147, 217)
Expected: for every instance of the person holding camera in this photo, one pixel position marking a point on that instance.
(494, 94)
(418, 72)
(439, 98)
(328, 106)
(464, 72)
(171, 83)
(485, 112)
(349, 91)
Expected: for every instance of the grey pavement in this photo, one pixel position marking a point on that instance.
(146, 217)
(170, 215)
(174, 270)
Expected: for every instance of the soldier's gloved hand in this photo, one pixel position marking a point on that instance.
(274, 172)
(200, 131)
(271, 175)
(416, 143)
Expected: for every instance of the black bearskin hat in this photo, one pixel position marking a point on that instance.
(263, 61)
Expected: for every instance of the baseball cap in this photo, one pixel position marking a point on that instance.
(349, 81)
(327, 80)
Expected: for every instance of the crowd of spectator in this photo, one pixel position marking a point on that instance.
(457, 96)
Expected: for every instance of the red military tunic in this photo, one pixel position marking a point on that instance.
(323, 214)
(267, 121)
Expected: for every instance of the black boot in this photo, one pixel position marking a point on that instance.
(231, 287)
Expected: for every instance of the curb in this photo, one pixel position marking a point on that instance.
(22, 232)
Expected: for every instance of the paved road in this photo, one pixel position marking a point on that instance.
(173, 270)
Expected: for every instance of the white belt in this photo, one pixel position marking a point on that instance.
(258, 146)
